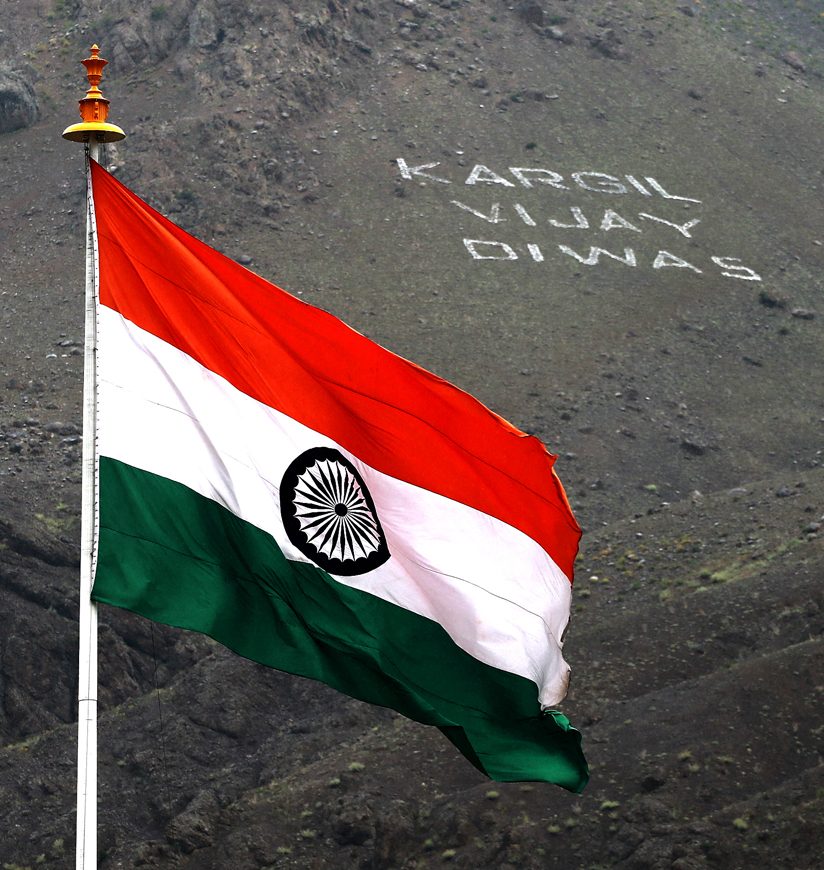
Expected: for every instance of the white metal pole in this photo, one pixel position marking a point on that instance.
(86, 856)
(94, 130)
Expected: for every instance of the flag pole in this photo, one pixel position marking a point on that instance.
(94, 131)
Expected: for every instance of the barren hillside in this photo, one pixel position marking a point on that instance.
(605, 220)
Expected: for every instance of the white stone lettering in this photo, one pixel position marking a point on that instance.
(486, 176)
(665, 259)
(600, 182)
(658, 189)
(505, 251)
(637, 185)
(542, 176)
(729, 263)
(494, 216)
(595, 255)
(537, 218)
(410, 172)
(581, 223)
(523, 214)
(613, 221)
(684, 229)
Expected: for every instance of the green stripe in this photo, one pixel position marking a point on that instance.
(179, 558)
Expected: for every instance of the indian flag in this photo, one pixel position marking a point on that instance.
(273, 479)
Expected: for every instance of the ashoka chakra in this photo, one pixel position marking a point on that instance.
(329, 514)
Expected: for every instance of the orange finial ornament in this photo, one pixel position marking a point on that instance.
(94, 107)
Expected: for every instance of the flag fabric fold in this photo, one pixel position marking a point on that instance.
(272, 478)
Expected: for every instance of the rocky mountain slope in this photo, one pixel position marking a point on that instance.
(605, 220)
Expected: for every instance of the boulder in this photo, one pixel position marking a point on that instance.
(793, 59)
(531, 12)
(18, 101)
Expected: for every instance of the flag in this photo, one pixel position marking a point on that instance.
(272, 478)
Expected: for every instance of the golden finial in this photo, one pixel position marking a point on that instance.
(94, 107)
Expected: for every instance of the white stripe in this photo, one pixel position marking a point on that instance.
(495, 591)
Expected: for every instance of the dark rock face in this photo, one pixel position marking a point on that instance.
(18, 101)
